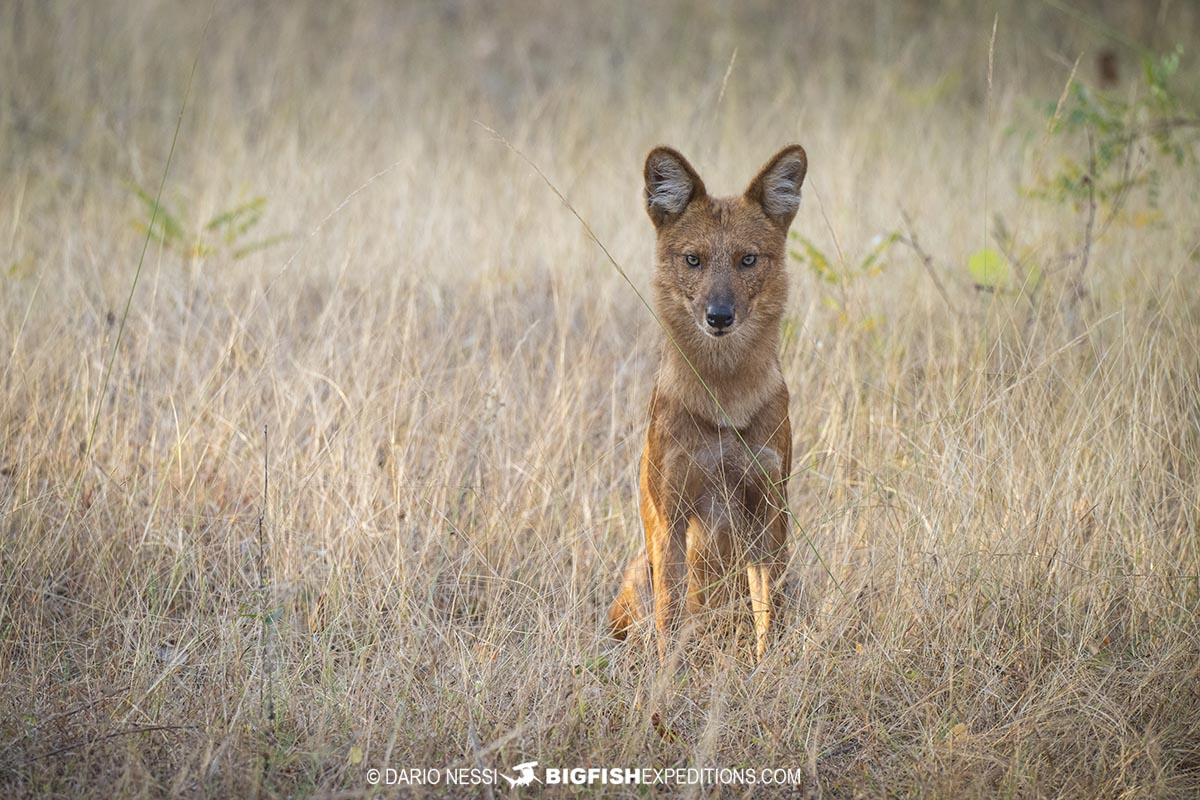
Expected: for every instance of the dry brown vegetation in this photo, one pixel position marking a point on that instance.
(452, 379)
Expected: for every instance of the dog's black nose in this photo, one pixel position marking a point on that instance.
(719, 317)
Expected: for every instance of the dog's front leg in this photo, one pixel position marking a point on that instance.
(668, 561)
(760, 575)
(768, 556)
(768, 545)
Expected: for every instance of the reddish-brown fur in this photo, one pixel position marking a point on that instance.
(718, 448)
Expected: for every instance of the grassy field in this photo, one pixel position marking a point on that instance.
(356, 302)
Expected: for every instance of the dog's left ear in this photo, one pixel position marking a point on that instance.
(776, 187)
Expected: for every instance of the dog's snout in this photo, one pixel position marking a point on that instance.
(719, 317)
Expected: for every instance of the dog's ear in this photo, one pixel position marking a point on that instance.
(671, 184)
(776, 187)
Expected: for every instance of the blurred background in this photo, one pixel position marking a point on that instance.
(302, 103)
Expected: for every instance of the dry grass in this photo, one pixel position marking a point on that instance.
(453, 381)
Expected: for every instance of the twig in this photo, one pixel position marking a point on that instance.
(1028, 288)
(1125, 184)
(987, 140)
(65, 714)
(725, 80)
(266, 684)
(1089, 227)
(925, 258)
(114, 735)
(1168, 124)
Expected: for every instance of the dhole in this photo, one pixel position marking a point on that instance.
(719, 446)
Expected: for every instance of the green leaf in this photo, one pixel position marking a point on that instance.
(989, 269)
(254, 247)
(817, 260)
(594, 664)
(232, 215)
(168, 226)
(868, 263)
(235, 222)
(20, 268)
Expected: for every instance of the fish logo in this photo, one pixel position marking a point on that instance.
(526, 776)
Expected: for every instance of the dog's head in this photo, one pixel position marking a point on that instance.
(721, 276)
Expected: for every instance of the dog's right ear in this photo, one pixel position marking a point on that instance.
(671, 184)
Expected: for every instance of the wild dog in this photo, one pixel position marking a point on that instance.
(718, 448)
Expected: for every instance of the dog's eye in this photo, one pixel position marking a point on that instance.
(692, 260)
(749, 260)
